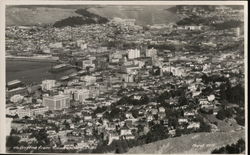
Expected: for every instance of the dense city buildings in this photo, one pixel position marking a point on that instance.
(113, 84)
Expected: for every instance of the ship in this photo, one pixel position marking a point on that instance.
(64, 78)
(73, 75)
(59, 68)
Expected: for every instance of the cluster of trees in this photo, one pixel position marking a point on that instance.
(156, 132)
(194, 20)
(162, 47)
(114, 113)
(213, 78)
(117, 146)
(11, 142)
(204, 7)
(237, 148)
(234, 95)
(100, 110)
(86, 18)
(41, 140)
(86, 13)
(230, 112)
(180, 92)
(228, 93)
(224, 113)
(228, 24)
(240, 116)
(41, 137)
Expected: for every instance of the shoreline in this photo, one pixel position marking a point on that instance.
(32, 59)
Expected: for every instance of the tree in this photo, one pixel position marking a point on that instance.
(157, 132)
(224, 113)
(237, 148)
(41, 137)
(12, 141)
(182, 100)
(162, 97)
(240, 120)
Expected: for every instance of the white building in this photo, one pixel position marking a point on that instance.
(82, 44)
(39, 110)
(22, 112)
(193, 27)
(133, 53)
(161, 109)
(56, 45)
(178, 71)
(16, 98)
(113, 136)
(89, 80)
(125, 131)
(87, 63)
(48, 84)
(81, 95)
(194, 125)
(57, 102)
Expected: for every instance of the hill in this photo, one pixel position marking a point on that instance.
(20, 15)
(49, 14)
(144, 15)
(85, 18)
(192, 143)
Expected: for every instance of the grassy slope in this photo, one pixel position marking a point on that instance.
(193, 143)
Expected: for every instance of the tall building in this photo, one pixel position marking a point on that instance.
(48, 84)
(81, 95)
(57, 102)
(133, 53)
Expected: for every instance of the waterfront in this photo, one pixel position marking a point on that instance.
(28, 71)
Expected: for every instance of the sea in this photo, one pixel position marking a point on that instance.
(32, 71)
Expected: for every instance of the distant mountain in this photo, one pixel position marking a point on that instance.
(49, 14)
(86, 18)
(31, 15)
(144, 15)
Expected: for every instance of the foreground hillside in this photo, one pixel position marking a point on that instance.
(192, 143)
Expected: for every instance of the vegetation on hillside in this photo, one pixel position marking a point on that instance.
(237, 148)
(86, 18)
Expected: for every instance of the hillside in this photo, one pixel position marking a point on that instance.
(192, 143)
(85, 18)
(49, 14)
(144, 15)
(34, 16)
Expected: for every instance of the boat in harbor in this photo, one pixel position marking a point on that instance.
(73, 75)
(64, 78)
(59, 68)
(81, 72)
